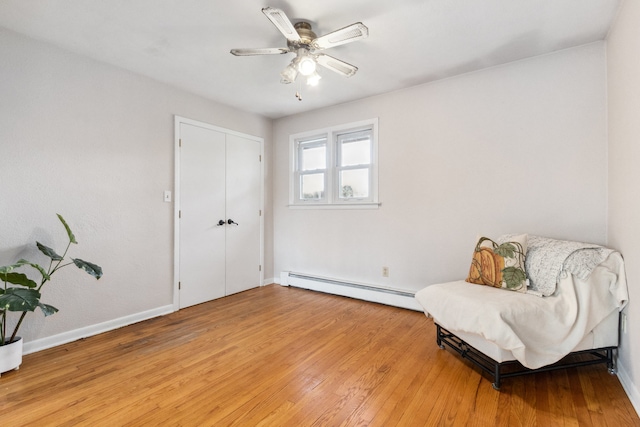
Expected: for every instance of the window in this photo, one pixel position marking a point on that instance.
(312, 170)
(335, 166)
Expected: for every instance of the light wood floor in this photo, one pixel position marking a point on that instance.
(277, 356)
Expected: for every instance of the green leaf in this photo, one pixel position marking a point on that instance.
(72, 238)
(47, 309)
(9, 268)
(42, 271)
(92, 269)
(18, 279)
(48, 252)
(506, 250)
(513, 277)
(19, 299)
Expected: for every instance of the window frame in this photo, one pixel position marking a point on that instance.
(310, 142)
(331, 197)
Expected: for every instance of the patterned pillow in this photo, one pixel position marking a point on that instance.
(500, 265)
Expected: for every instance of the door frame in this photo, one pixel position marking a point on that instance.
(178, 120)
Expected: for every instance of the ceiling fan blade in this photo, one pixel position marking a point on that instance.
(259, 51)
(344, 35)
(336, 65)
(282, 23)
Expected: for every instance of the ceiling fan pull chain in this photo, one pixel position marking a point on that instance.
(298, 95)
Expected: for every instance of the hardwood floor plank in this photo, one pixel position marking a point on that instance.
(403, 367)
(611, 399)
(279, 356)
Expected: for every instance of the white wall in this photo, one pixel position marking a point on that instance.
(95, 143)
(623, 77)
(516, 148)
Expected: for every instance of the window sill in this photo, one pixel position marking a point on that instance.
(367, 205)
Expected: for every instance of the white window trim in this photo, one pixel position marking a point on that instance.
(297, 173)
(331, 199)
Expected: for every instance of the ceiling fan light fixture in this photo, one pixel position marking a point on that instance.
(313, 79)
(289, 74)
(307, 66)
(305, 62)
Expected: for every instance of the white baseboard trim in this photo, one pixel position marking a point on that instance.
(269, 281)
(629, 388)
(87, 331)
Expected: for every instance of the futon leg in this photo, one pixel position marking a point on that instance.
(611, 367)
(438, 337)
(496, 377)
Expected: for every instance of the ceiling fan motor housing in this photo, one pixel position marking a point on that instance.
(306, 35)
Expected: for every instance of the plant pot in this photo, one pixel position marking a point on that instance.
(11, 355)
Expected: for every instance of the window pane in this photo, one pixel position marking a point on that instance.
(312, 158)
(312, 186)
(355, 151)
(354, 183)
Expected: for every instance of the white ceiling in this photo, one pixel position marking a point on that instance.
(186, 43)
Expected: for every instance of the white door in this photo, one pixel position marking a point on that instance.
(243, 208)
(202, 205)
(220, 180)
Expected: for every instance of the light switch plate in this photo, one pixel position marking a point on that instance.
(167, 196)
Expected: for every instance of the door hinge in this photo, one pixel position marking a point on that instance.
(180, 214)
(179, 285)
(260, 158)
(259, 268)
(180, 142)
(260, 212)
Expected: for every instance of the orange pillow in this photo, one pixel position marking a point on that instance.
(500, 265)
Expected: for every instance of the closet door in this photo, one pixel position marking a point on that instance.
(220, 177)
(243, 208)
(202, 205)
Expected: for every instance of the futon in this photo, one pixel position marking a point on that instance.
(572, 303)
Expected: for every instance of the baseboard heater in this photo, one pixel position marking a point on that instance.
(380, 294)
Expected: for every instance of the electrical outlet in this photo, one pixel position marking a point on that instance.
(385, 271)
(623, 322)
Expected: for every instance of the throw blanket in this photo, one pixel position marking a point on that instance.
(549, 260)
(537, 331)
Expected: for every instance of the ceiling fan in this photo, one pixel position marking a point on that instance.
(304, 43)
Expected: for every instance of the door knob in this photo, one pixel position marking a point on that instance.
(220, 223)
(230, 221)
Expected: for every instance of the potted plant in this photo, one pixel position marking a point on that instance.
(21, 294)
